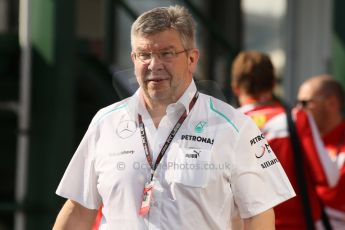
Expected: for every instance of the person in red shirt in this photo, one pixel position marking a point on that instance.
(252, 81)
(324, 97)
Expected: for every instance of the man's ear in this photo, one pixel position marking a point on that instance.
(133, 56)
(193, 59)
(236, 90)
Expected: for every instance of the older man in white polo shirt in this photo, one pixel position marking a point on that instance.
(169, 157)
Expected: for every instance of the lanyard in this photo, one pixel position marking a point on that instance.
(168, 140)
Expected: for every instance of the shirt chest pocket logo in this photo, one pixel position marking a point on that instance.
(192, 167)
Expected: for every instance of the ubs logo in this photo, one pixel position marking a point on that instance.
(126, 129)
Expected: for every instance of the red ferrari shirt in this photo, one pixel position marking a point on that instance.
(271, 119)
(335, 144)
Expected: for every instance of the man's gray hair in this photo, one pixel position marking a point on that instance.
(166, 18)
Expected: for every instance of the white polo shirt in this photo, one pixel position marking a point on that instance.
(218, 166)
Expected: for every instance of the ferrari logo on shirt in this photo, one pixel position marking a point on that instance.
(260, 120)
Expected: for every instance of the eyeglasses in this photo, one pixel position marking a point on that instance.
(164, 55)
(303, 103)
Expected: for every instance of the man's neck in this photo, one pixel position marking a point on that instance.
(157, 111)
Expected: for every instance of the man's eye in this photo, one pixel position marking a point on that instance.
(167, 54)
(144, 56)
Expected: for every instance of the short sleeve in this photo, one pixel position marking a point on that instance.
(258, 179)
(79, 182)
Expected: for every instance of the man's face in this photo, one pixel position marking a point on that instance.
(164, 77)
(309, 99)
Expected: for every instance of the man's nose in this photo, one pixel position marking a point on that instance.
(155, 62)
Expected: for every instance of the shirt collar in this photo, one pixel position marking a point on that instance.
(187, 97)
(133, 104)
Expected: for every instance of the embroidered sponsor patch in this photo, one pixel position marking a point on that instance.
(265, 155)
(124, 152)
(126, 128)
(269, 163)
(200, 126)
(265, 149)
(197, 139)
(257, 139)
(194, 154)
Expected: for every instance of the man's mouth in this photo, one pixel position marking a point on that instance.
(156, 80)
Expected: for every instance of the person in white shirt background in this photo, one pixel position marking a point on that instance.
(169, 157)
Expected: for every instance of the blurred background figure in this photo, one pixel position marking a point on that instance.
(323, 96)
(253, 81)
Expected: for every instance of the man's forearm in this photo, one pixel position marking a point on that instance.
(74, 216)
(262, 221)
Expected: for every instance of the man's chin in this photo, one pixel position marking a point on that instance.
(160, 96)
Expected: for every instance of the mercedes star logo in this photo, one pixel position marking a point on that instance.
(126, 129)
